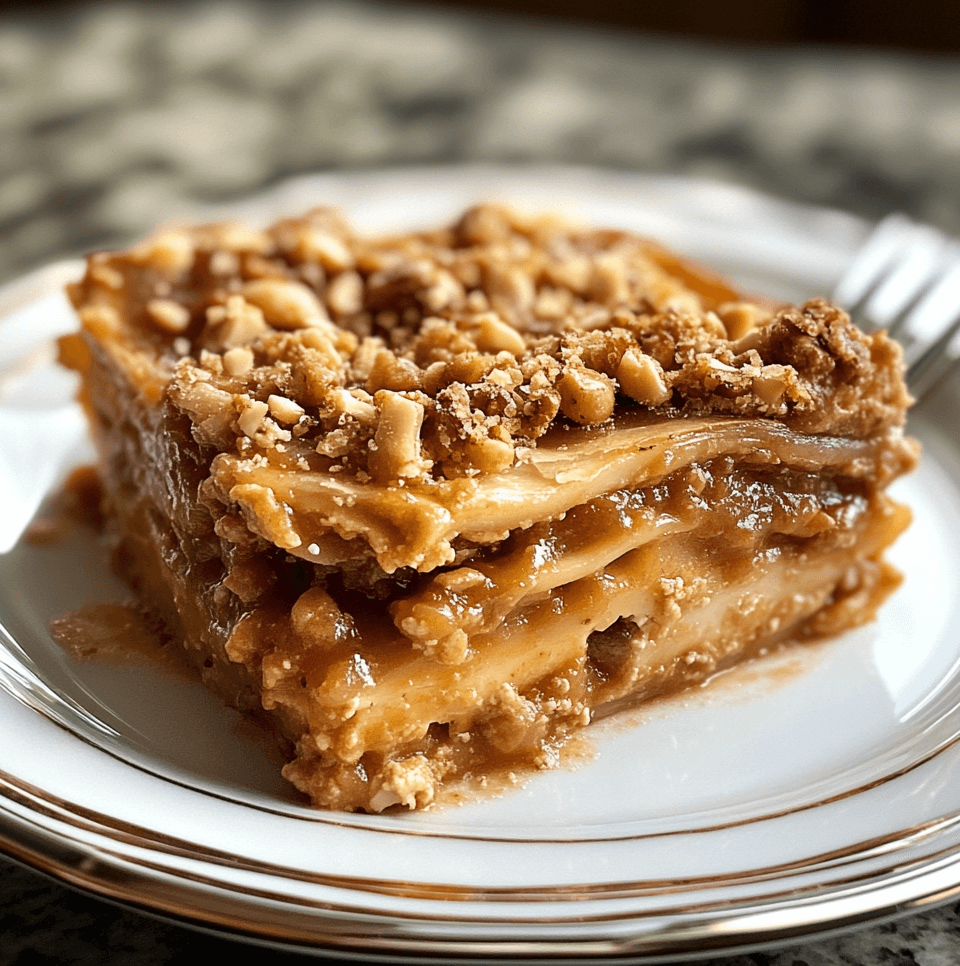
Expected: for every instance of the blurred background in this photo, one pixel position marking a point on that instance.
(117, 115)
(926, 25)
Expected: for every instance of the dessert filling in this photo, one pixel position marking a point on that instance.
(427, 505)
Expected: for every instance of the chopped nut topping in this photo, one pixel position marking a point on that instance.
(285, 305)
(171, 252)
(395, 453)
(474, 340)
(224, 263)
(106, 275)
(238, 361)
(641, 378)
(345, 294)
(586, 397)
(496, 336)
(169, 315)
(251, 419)
(238, 322)
(284, 409)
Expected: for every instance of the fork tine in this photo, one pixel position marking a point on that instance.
(906, 277)
(920, 266)
(871, 262)
(936, 362)
(936, 307)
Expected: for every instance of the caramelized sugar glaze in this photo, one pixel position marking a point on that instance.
(428, 504)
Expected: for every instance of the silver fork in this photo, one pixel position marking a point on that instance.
(906, 278)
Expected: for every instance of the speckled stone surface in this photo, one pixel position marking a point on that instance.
(118, 115)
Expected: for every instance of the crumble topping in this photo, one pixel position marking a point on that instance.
(439, 355)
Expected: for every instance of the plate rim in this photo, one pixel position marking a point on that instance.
(757, 926)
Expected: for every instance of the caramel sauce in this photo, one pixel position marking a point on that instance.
(492, 776)
(713, 287)
(116, 633)
(77, 503)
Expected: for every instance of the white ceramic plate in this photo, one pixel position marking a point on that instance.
(798, 795)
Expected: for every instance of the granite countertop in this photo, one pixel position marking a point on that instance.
(118, 116)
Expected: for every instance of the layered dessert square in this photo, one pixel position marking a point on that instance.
(428, 504)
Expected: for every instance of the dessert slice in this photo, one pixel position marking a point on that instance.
(428, 504)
